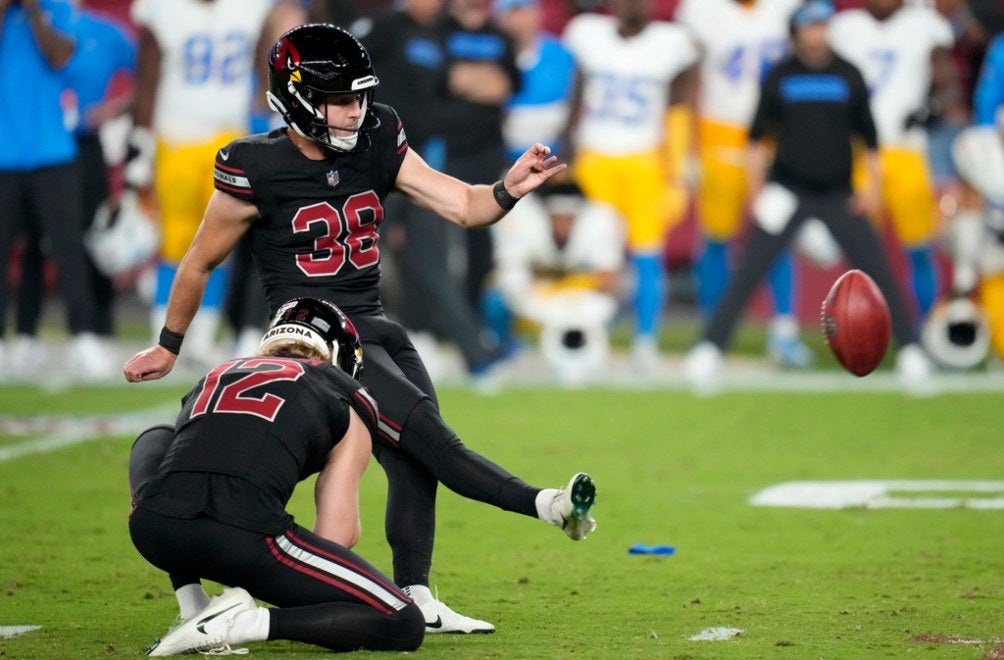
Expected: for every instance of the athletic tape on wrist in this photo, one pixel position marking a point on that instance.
(502, 196)
(170, 341)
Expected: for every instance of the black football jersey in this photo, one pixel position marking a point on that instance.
(263, 424)
(318, 232)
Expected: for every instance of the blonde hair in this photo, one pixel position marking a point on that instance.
(293, 348)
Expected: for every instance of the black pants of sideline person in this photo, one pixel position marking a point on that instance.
(484, 165)
(48, 202)
(431, 297)
(854, 233)
(93, 172)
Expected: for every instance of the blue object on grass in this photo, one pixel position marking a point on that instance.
(642, 549)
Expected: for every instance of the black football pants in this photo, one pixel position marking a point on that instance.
(325, 594)
(417, 450)
(855, 234)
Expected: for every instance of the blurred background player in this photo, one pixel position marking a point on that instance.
(810, 177)
(739, 40)
(481, 75)
(558, 259)
(630, 69)
(194, 86)
(40, 188)
(103, 51)
(428, 295)
(961, 328)
(943, 122)
(244, 305)
(902, 51)
(538, 112)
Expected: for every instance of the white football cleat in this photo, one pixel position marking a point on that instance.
(89, 359)
(26, 357)
(208, 631)
(703, 366)
(441, 619)
(571, 506)
(915, 371)
(645, 355)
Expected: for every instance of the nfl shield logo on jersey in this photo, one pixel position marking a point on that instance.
(332, 178)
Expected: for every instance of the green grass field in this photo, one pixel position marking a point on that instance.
(671, 468)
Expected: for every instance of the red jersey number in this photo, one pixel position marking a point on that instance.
(234, 397)
(346, 237)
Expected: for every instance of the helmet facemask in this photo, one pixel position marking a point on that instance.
(308, 65)
(312, 120)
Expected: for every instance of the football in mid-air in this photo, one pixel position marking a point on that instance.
(856, 322)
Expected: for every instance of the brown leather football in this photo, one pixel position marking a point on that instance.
(856, 322)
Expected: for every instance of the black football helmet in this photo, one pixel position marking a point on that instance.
(306, 64)
(320, 325)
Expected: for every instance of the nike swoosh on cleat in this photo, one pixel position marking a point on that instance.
(435, 625)
(200, 626)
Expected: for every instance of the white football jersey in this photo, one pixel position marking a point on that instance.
(207, 64)
(625, 82)
(738, 45)
(894, 57)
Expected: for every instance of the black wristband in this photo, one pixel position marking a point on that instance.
(502, 196)
(171, 341)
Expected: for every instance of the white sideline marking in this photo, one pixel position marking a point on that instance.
(716, 634)
(876, 495)
(65, 431)
(6, 632)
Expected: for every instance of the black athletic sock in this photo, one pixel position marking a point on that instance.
(410, 521)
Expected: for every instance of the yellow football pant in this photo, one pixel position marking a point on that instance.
(636, 186)
(183, 182)
(907, 193)
(722, 191)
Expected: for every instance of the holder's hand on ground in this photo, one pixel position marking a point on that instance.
(533, 168)
(151, 364)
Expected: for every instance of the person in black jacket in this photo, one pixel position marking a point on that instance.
(406, 45)
(481, 76)
(813, 104)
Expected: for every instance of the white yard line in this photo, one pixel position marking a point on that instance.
(6, 632)
(67, 430)
(884, 494)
